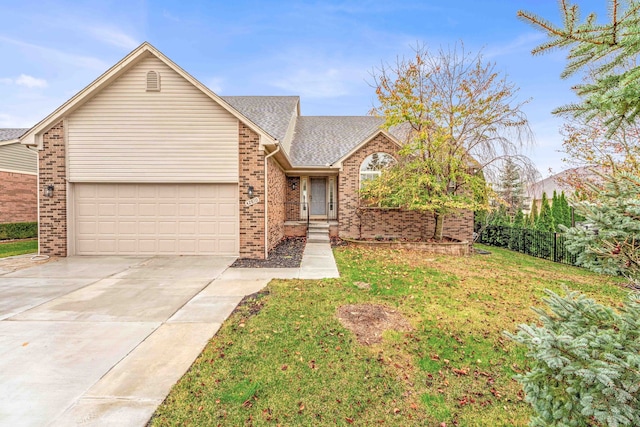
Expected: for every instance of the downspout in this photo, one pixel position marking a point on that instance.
(37, 257)
(266, 200)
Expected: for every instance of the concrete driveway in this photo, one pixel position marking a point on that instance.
(101, 340)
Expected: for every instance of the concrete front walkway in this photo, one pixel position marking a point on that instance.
(100, 340)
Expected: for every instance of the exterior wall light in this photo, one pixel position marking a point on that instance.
(294, 185)
(48, 191)
(250, 192)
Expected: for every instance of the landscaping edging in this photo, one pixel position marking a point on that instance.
(444, 248)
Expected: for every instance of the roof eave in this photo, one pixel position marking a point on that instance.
(9, 141)
(281, 156)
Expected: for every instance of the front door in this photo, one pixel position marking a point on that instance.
(318, 197)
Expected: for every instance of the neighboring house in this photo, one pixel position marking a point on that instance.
(18, 176)
(558, 183)
(147, 160)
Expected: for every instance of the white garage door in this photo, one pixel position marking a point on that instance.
(156, 219)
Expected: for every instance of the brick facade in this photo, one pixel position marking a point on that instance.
(53, 210)
(251, 173)
(277, 185)
(18, 198)
(293, 198)
(366, 223)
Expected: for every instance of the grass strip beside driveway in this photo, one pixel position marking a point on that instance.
(18, 248)
(284, 358)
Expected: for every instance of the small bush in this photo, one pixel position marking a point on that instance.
(18, 230)
(586, 363)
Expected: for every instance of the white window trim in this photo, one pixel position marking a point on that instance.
(303, 197)
(370, 174)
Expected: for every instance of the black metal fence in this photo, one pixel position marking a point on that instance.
(541, 244)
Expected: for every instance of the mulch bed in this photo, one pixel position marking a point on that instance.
(287, 254)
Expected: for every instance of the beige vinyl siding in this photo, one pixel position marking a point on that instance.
(128, 134)
(18, 158)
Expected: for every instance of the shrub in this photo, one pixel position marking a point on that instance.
(18, 230)
(586, 363)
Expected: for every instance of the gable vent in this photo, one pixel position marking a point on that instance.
(153, 81)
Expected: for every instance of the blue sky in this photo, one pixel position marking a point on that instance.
(323, 51)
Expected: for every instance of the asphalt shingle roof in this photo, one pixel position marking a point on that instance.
(9, 134)
(271, 113)
(323, 140)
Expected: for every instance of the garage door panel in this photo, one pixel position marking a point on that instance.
(187, 209)
(127, 209)
(148, 219)
(107, 191)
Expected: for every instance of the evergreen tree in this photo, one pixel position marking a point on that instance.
(611, 243)
(565, 211)
(501, 217)
(533, 215)
(545, 219)
(511, 187)
(586, 363)
(607, 51)
(556, 208)
(519, 220)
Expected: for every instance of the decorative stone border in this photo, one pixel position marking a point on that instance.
(445, 248)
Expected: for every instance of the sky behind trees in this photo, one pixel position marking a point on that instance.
(323, 51)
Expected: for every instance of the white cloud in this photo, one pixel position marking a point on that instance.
(524, 42)
(215, 84)
(30, 81)
(26, 81)
(56, 55)
(112, 36)
(314, 73)
(13, 121)
(317, 83)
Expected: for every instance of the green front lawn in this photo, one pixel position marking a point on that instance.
(18, 248)
(285, 359)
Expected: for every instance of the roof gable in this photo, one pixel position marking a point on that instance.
(31, 137)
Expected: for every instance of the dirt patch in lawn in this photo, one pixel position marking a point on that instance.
(369, 321)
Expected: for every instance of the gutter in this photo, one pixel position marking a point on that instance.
(266, 200)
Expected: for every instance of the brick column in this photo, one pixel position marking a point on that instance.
(53, 210)
(251, 173)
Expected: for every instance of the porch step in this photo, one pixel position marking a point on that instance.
(318, 232)
(317, 237)
(319, 226)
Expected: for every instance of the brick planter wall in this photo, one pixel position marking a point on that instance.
(53, 210)
(455, 248)
(18, 198)
(295, 229)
